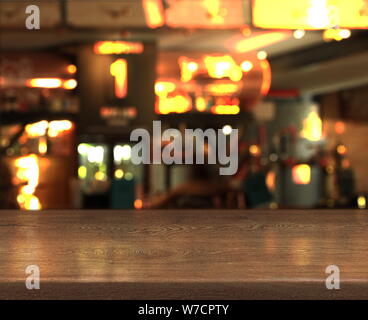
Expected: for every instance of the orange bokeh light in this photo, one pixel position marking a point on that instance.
(118, 47)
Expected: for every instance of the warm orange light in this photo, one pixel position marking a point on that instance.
(188, 68)
(118, 47)
(339, 127)
(345, 163)
(310, 14)
(28, 172)
(70, 84)
(225, 109)
(205, 13)
(341, 149)
(138, 204)
(37, 129)
(42, 146)
(44, 83)
(312, 127)
(51, 83)
(219, 89)
(71, 69)
(176, 104)
(214, 11)
(223, 66)
(271, 180)
(162, 88)
(260, 41)
(301, 174)
(201, 104)
(119, 70)
(267, 77)
(254, 150)
(154, 13)
(59, 126)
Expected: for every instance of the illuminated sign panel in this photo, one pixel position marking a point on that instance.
(205, 13)
(119, 70)
(310, 14)
(118, 47)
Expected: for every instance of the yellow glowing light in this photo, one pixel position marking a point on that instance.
(119, 70)
(362, 202)
(223, 66)
(201, 104)
(301, 174)
(267, 77)
(37, 129)
(28, 172)
(82, 172)
(162, 88)
(118, 47)
(254, 150)
(188, 68)
(44, 83)
(299, 34)
(214, 11)
(262, 55)
(176, 104)
(336, 34)
(219, 89)
(312, 127)
(154, 13)
(341, 149)
(34, 203)
(310, 14)
(42, 146)
(260, 41)
(119, 174)
(138, 204)
(100, 176)
(71, 69)
(59, 126)
(70, 84)
(225, 109)
(83, 149)
(227, 129)
(246, 66)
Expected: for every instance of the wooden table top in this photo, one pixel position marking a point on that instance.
(199, 254)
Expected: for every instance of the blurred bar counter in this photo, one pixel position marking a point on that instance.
(184, 254)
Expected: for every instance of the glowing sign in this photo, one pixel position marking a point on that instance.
(52, 83)
(44, 83)
(205, 13)
(154, 13)
(310, 14)
(118, 47)
(119, 70)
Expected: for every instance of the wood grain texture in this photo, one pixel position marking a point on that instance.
(198, 254)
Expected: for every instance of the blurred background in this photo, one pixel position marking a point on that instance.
(291, 76)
